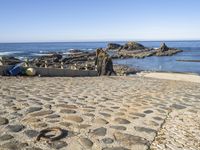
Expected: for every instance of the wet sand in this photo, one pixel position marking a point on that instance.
(100, 113)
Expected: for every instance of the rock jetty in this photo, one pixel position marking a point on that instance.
(137, 50)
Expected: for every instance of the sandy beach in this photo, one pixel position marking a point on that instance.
(100, 113)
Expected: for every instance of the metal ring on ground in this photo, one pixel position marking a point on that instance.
(43, 133)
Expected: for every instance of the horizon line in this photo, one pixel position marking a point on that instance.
(98, 41)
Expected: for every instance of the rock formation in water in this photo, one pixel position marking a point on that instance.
(114, 46)
(133, 46)
(9, 60)
(163, 48)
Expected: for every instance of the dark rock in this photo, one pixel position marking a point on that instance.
(166, 51)
(31, 133)
(33, 148)
(3, 121)
(105, 114)
(42, 113)
(115, 148)
(122, 121)
(138, 114)
(176, 106)
(143, 129)
(118, 127)
(6, 137)
(100, 131)
(15, 128)
(58, 144)
(148, 111)
(104, 63)
(158, 118)
(163, 47)
(9, 60)
(33, 109)
(76, 51)
(53, 116)
(67, 111)
(108, 140)
(113, 46)
(124, 70)
(133, 46)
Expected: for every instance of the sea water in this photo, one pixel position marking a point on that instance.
(191, 51)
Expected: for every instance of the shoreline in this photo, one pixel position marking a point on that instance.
(177, 76)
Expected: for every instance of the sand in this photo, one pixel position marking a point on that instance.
(100, 113)
(172, 76)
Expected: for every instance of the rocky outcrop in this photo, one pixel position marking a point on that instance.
(133, 46)
(50, 59)
(123, 70)
(104, 63)
(137, 50)
(114, 46)
(9, 60)
(164, 50)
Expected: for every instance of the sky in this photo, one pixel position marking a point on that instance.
(98, 20)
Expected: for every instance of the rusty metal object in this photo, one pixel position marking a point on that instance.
(42, 134)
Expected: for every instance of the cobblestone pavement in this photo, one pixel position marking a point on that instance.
(104, 113)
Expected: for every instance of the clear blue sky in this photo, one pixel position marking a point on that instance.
(97, 20)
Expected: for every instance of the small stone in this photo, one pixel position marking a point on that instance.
(130, 140)
(66, 124)
(39, 125)
(6, 137)
(100, 121)
(67, 111)
(33, 109)
(33, 148)
(118, 127)
(48, 106)
(53, 121)
(139, 114)
(176, 106)
(115, 107)
(53, 116)
(14, 145)
(3, 121)
(100, 131)
(31, 120)
(108, 140)
(121, 121)
(115, 148)
(89, 114)
(158, 118)
(148, 111)
(31, 133)
(15, 128)
(67, 106)
(84, 126)
(143, 129)
(154, 123)
(86, 142)
(58, 144)
(42, 113)
(105, 114)
(74, 118)
(16, 114)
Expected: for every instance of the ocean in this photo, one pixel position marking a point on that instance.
(191, 51)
